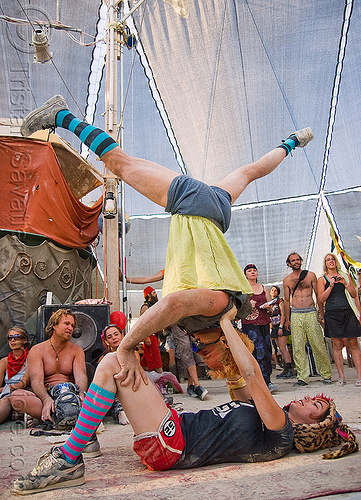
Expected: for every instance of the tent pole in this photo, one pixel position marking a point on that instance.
(111, 253)
(122, 185)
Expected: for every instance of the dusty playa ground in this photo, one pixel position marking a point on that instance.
(119, 474)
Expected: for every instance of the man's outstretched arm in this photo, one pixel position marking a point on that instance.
(270, 412)
(143, 280)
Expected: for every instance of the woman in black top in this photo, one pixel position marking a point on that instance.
(337, 292)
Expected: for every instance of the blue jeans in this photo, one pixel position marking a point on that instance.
(260, 336)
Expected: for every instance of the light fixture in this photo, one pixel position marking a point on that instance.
(109, 206)
(41, 46)
(129, 40)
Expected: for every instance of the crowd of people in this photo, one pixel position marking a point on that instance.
(313, 314)
(206, 294)
(28, 376)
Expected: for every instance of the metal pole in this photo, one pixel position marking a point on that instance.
(111, 254)
(122, 19)
(122, 184)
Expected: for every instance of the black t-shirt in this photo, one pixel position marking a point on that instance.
(232, 432)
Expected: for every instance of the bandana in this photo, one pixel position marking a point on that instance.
(14, 364)
(249, 266)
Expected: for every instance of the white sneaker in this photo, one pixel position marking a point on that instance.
(272, 388)
(304, 136)
(52, 471)
(44, 117)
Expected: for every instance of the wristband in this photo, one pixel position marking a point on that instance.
(236, 384)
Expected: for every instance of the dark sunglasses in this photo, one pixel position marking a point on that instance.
(16, 336)
(200, 345)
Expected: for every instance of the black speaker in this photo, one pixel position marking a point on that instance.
(90, 321)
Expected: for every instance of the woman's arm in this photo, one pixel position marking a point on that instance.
(349, 287)
(23, 383)
(322, 292)
(270, 412)
(143, 280)
(283, 319)
(358, 305)
(3, 365)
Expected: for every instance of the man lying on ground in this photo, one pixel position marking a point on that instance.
(251, 428)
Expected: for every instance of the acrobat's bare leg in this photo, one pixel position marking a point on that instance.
(236, 182)
(149, 178)
(145, 408)
(172, 308)
(146, 177)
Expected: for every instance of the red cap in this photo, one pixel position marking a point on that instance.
(118, 318)
(148, 290)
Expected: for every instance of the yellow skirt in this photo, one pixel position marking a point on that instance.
(198, 256)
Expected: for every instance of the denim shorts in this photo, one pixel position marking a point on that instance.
(188, 196)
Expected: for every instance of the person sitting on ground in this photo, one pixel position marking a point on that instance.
(244, 430)
(14, 373)
(202, 275)
(111, 337)
(55, 366)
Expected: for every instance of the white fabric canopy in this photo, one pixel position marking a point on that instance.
(235, 78)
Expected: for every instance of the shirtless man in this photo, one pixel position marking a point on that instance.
(51, 362)
(303, 323)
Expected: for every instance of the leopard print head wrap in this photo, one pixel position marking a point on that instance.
(326, 434)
